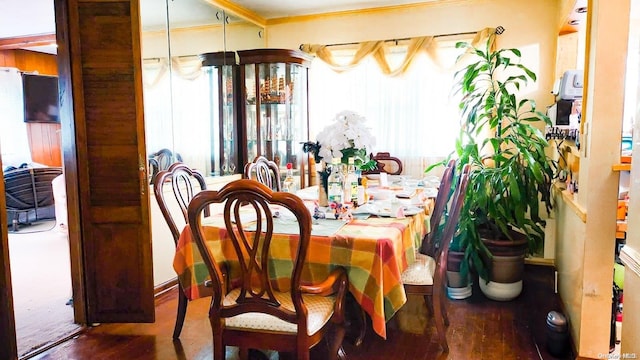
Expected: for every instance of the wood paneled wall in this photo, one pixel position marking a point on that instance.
(44, 139)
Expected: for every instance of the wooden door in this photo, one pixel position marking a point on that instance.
(8, 347)
(103, 145)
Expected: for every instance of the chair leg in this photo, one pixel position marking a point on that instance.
(445, 316)
(303, 354)
(356, 321)
(438, 316)
(362, 328)
(428, 300)
(335, 349)
(219, 351)
(182, 311)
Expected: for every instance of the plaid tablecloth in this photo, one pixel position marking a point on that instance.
(374, 252)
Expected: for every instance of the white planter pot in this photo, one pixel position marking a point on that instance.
(459, 293)
(501, 291)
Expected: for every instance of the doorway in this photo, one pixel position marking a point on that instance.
(38, 251)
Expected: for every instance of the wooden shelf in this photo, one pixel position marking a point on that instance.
(571, 202)
(621, 229)
(621, 167)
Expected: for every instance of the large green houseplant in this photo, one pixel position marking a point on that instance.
(511, 173)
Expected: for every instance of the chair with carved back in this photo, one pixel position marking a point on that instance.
(161, 160)
(430, 241)
(184, 183)
(249, 311)
(385, 163)
(264, 171)
(427, 275)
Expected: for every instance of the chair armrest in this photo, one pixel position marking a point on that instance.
(335, 282)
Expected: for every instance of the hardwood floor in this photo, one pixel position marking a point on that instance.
(479, 329)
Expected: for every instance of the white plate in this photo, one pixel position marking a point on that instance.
(409, 211)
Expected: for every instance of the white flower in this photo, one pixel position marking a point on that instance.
(347, 132)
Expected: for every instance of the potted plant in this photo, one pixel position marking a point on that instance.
(511, 174)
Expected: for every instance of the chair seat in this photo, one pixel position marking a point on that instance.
(420, 272)
(320, 310)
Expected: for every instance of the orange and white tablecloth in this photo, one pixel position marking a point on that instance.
(374, 251)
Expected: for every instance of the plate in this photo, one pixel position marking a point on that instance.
(408, 211)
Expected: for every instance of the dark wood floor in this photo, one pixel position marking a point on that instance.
(480, 329)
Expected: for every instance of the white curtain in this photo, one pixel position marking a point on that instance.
(178, 120)
(14, 141)
(412, 116)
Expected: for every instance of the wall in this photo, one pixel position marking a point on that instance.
(44, 139)
(586, 222)
(203, 39)
(631, 311)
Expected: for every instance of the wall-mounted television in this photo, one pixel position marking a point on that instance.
(40, 98)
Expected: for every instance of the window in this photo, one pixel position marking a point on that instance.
(412, 116)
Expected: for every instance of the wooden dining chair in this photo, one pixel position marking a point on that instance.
(161, 160)
(264, 171)
(430, 241)
(253, 313)
(427, 275)
(185, 183)
(385, 163)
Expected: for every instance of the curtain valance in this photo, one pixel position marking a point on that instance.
(379, 50)
(186, 67)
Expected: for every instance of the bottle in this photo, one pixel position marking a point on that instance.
(351, 186)
(335, 188)
(289, 184)
(365, 195)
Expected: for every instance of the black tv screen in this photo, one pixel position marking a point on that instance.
(40, 98)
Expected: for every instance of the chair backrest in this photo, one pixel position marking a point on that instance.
(429, 242)
(161, 160)
(184, 182)
(451, 225)
(264, 171)
(251, 242)
(385, 163)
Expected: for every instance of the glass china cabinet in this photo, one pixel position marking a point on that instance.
(261, 109)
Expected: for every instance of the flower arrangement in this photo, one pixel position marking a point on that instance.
(346, 137)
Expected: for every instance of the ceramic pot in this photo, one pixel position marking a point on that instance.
(506, 268)
(458, 287)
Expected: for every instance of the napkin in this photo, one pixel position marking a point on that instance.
(384, 180)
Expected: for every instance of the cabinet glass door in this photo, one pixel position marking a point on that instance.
(279, 115)
(229, 135)
(251, 112)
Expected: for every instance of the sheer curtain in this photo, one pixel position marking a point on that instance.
(412, 115)
(177, 109)
(14, 141)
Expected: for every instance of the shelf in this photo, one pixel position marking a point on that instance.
(621, 167)
(570, 201)
(621, 229)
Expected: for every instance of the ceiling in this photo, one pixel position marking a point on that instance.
(29, 17)
(22, 18)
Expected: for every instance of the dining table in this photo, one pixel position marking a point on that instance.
(374, 250)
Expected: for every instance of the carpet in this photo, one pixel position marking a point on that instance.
(41, 279)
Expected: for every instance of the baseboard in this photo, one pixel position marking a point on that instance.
(165, 286)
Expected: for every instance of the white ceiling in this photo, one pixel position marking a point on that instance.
(26, 17)
(30, 17)
(286, 8)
